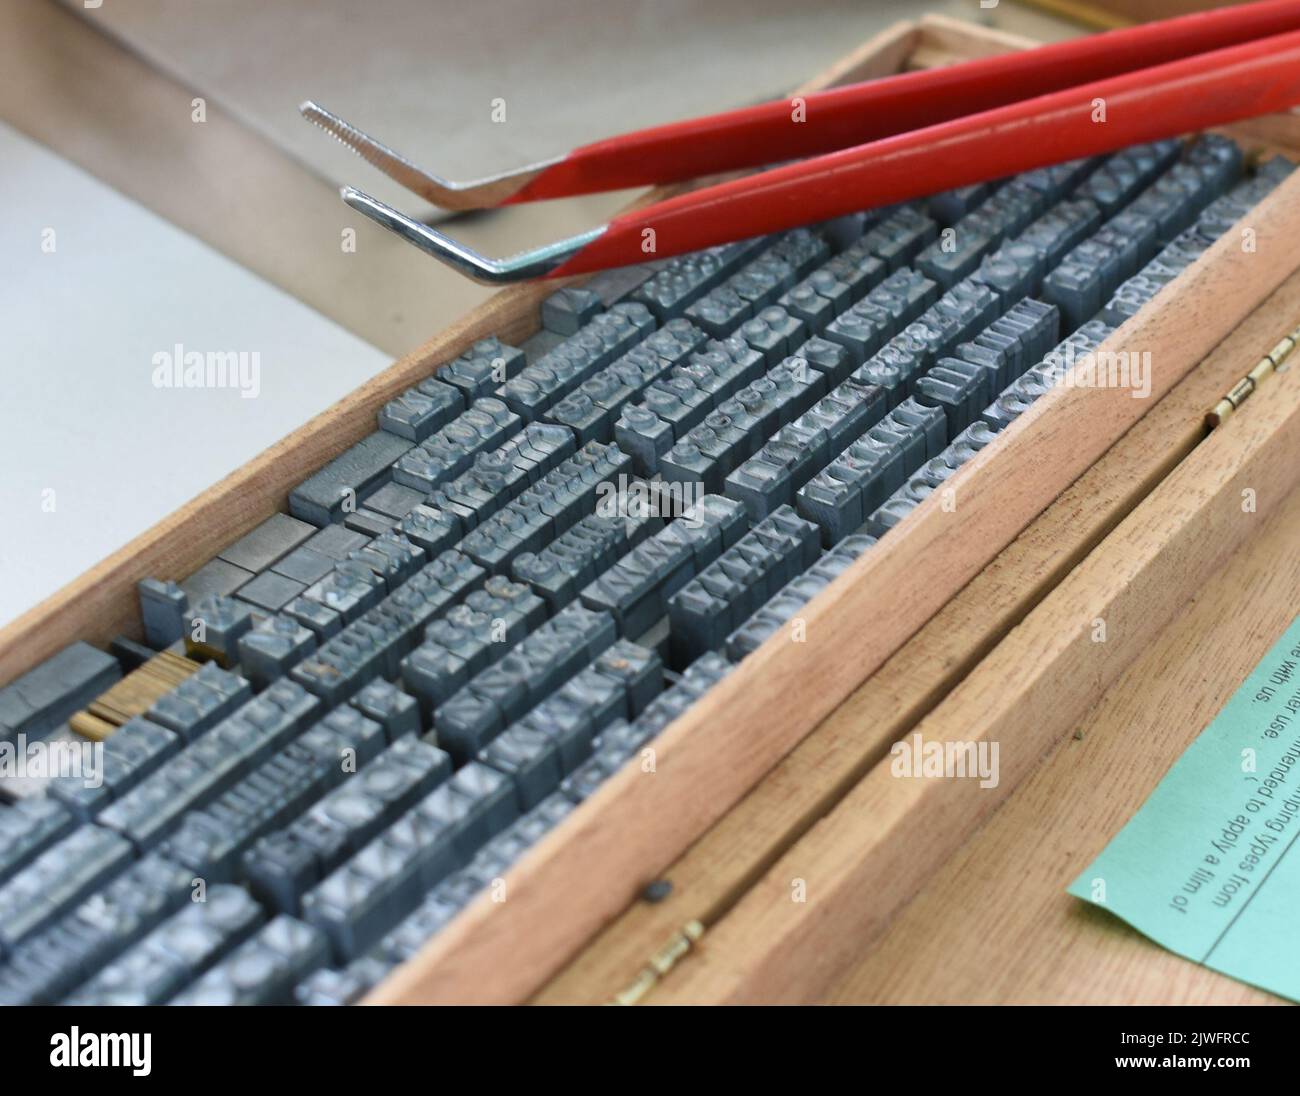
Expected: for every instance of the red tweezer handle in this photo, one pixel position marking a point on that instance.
(1167, 100)
(858, 113)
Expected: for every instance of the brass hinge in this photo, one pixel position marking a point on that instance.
(1264, 368)
(661, 963)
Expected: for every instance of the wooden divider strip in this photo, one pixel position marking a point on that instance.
(1021, 939)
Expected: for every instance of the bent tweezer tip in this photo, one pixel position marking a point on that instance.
(483, 193)
(534, 263)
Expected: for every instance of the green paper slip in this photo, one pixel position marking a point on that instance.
(1210, 867)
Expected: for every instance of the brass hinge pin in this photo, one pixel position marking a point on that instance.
(1244, 388)
(660, 963)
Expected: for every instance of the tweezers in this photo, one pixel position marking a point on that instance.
(871, 144)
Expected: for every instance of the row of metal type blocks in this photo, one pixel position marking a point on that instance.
(211, 837)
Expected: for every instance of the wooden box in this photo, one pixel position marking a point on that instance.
(770, 808)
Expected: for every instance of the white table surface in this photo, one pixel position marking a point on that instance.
(79, 413)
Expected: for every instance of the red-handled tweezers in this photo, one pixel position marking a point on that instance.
(913, 134)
